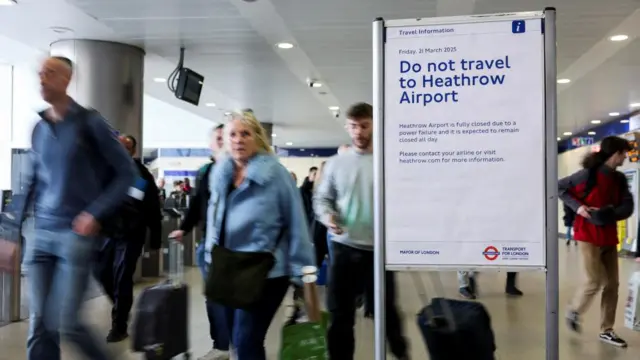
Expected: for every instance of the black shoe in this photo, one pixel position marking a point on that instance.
(513, 291)
(115, 336)
(573, 321)
(611, 338)
(466, 293)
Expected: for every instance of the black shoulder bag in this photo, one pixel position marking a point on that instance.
(237, 279)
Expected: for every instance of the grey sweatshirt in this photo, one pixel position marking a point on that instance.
(346, 191)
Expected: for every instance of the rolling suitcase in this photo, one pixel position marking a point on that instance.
(455, 329)
(161, 322)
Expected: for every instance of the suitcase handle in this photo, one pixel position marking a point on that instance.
(447, 320)
(176, 261)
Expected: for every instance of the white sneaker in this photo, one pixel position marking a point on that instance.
(216, 354)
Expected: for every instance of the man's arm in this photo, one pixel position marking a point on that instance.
(113, 153)
(566, 185)
(324, 199)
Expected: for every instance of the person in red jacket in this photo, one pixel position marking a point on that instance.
(599, 194)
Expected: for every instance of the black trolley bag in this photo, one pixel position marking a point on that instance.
(161, 320)
(454, 329)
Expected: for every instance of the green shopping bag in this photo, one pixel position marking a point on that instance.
(305, 341)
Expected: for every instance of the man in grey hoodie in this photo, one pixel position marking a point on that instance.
(344, 204)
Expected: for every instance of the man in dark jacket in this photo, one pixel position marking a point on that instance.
(197, 215)
(118, 257)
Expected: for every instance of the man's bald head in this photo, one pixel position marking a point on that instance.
(55, 76)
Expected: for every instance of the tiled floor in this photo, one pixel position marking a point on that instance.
(518, 323)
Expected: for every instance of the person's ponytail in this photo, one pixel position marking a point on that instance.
(594, 160)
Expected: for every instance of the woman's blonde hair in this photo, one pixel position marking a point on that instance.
(259, 133)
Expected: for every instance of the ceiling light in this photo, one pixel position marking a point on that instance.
(274, 135)
(210, 104)
(559, 139)
(317, 84)
(634, 105)
(334, 108)
(614, 113)
(567, 133)
(596, 121)
(227, 113)
(620, 37)
(7, 2)
(563, 81)
(289, 143)
(285, 45)
(591, 133)
(625, 121)
(159, 80)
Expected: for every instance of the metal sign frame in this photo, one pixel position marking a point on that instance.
(551, 169)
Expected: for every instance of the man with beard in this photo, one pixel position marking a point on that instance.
(344, 203)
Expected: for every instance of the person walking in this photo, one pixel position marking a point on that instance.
(599, 194)
(79, 177)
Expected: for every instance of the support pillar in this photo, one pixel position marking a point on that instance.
(108, 77)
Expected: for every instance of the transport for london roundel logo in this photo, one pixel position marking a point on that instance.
(491, 253)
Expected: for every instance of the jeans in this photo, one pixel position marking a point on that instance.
(218, 323)
(116, 263)
(569, 233)
(463, 278)
(59, 266)
(350, 267)
(249, 326)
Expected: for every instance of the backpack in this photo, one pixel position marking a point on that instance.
(127, 216)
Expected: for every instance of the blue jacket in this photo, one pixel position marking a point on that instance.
(264, 205)
(69, 168)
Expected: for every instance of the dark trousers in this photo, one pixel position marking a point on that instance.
(249, 326)
(349, 270)
(114, 269)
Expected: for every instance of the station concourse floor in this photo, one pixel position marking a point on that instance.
(518, 323)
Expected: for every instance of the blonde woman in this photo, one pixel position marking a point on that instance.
(257, 213)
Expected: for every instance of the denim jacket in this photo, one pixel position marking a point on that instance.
(263, 214)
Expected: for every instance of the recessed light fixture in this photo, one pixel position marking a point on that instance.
(620, 37)
(625, 121)
(596, 121)
(7, 2)
(614, 113)
(289, 143)
(159, 80)
(591, 133)
(210, 104)
(227, 113)
(563, 81)
(568, 133)
(285, 45)
(274, 135)
(334, 108)
(634, 105)
(317, 84)
(559, 139)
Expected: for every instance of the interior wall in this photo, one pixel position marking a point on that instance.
(301, 165)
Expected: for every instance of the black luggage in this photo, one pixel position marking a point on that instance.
(456, 330)
(161, 322)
